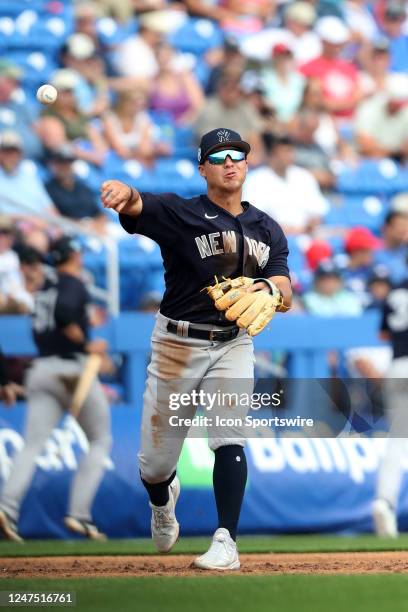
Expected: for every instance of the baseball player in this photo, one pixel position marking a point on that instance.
(60, 329)
(394, 327)
(195, 342)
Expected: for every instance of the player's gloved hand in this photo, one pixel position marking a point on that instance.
(251, 303)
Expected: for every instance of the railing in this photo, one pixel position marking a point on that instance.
(305, 338)
(111, 296)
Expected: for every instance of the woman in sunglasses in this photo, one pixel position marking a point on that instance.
(197, 353)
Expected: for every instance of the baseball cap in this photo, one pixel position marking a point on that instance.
(379, 273)
(281, 49)
(399, 203)
(327, 268)
(272, 140)
(62, 248)
(9, 70)
(80, 46)
(318, 251)
(86, 9)
(360, 238)
(397, 87)
(156, 21)
(64, 153)
(395, 10)
(218, 139)
(28, 255)
(6, 224)
(301, 12)
(10, 140)
(65, 79)
(332, 30)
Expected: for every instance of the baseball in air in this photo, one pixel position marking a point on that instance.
(47, 94)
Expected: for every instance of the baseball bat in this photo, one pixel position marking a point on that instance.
(89, 373)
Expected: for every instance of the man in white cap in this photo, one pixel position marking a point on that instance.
(338, 77)
(381, 123)
(79, 53)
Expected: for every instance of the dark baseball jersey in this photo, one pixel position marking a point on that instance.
(62, 300)
(200, 240)
(4, 379)
(395, 319)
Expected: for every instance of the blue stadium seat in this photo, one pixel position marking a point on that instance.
(185, 146)
(111, 33)
(89, 173)
(373, 177)
(353, 210)
(37, 66)
(197, 36)
(296, 258)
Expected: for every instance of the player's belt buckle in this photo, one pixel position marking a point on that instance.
(219, 335)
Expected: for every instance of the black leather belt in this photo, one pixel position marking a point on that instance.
(214, 335)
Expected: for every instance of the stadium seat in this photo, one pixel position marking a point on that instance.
(352, 210)
(111, 33)
(382, 177)
(197, 36)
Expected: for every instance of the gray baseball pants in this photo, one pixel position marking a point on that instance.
(178, 365)
(396, 404)
(50, 383)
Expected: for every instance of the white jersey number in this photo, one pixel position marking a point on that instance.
(44, 313)
(398, 319)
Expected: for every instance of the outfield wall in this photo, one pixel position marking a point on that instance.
(294, 485)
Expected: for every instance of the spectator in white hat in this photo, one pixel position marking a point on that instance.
(22, 193)
(339, 77)
(381, 122)
(296, 32)
(136, 56)
(63, 122)
(79, 54)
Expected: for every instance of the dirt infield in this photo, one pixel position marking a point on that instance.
(180, 565)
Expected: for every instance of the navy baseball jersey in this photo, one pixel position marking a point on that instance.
(395, 319)
(200, 240)
(62, 300)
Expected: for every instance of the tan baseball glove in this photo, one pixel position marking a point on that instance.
(251, 311)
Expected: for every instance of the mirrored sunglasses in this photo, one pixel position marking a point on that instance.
(219, 157)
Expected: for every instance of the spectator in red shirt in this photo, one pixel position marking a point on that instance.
(338, 77)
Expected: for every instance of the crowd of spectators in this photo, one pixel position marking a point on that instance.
(314, 86)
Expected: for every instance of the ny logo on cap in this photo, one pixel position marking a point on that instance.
(223, 135)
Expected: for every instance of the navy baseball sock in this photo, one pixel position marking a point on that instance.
(229, 480)
(159, 492)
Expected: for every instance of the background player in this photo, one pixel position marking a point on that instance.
(60, 327)
(395, 328)
(214, 234)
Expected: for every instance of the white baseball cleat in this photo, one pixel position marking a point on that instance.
(85, 528)
(385, 519)
(165, 528)
(222, 554)
(8, 528)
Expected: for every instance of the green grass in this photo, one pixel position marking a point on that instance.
(225, 593)
(247, 544)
